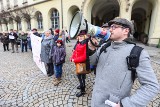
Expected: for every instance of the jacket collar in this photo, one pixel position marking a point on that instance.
(118, 44)
(49, 37)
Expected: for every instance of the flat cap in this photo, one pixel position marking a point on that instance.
(123, 22)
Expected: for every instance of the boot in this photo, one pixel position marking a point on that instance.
(58, 80)
(79, 87)
(82, 92)
(79, 94)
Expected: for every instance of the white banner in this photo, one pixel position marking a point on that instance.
(36, 50)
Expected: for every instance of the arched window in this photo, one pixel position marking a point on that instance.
(29, 25)
(19, 25)
(55, 19)
(40, 20)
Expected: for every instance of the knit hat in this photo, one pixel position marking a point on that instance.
(60, 41)
(57, 31)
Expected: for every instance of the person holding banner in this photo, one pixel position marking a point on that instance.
(13, 37)
(46, 46)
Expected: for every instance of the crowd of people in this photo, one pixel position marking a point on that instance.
(113, 80)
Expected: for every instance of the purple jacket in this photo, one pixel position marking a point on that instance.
(58, 55)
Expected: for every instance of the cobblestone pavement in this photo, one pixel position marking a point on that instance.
(22, 84)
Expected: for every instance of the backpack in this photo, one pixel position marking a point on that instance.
(132, 59)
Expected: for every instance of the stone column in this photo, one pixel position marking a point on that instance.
(4, 27)
(1, 28)
(125, 9)
(10, 26)
(47, 22)
(24, 25)
(154, 25)
(15, 25)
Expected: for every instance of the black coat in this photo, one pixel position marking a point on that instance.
(5, 39)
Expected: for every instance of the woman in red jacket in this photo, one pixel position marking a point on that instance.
(80, 55)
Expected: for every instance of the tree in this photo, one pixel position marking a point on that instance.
(26, 13)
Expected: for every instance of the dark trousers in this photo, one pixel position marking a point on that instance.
(6, 46)
(24, 45)
(58, 70)
(67, 39)
(81, 78)
(50, 68)
(14, 44)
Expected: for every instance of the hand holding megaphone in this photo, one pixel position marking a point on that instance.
(94, 41)
(78, 23)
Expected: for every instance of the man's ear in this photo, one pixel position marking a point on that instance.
(126, 31)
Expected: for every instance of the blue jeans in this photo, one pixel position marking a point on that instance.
(58, 70)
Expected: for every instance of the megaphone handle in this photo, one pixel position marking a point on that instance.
(86, 25)
(93, 43)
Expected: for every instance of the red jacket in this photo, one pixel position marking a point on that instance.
(79, 54)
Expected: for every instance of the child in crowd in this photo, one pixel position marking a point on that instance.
(58, 54)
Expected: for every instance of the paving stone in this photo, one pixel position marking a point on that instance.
(22, 84)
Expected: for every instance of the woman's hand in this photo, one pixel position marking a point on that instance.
(90, 44)
(72, 60)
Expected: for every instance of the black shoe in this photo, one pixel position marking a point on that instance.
(79, 94)
(49, 75)
(79, 87)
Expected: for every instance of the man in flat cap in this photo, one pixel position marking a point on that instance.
(113, 80)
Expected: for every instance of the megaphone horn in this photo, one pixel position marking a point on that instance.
(79, 23)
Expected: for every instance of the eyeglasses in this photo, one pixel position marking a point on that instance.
(116, 26)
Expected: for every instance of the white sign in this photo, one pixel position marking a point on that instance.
(36, 50)
(11, 37)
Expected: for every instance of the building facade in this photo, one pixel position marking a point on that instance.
(24, 15)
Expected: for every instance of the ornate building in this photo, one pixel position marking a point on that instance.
(24, 15)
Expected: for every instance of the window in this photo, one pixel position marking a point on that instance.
(8, 4)
(15, 3)
(19, 26)
(24, 1)
(29, 25)
(55, 19)
(40, 20)
(2, 7)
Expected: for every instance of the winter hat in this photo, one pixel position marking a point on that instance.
(60, 41)
(82, 32)
(57, 31)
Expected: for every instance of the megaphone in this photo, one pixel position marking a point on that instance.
(79, 23)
